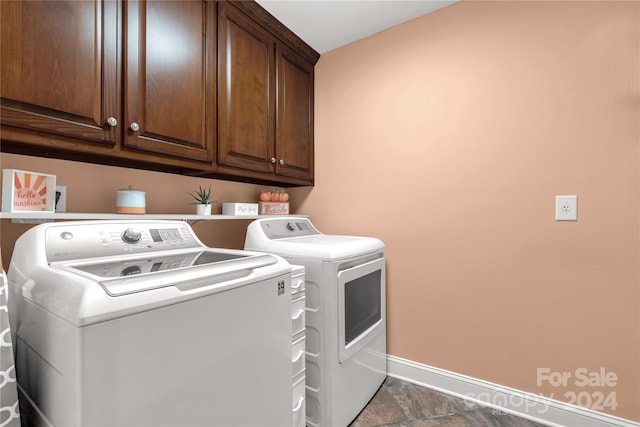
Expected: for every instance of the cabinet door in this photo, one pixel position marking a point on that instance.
(59, 70)
(246, 88)
(170, 97)
(294, 143)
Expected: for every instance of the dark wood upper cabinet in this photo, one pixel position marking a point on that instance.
(265, 90)
(246, 87)
(80, 76)
(294, 141)
(58, 61)
(170, 89)
(204, 87)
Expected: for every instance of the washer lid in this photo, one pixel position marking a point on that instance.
(125, 267)
(183, 270)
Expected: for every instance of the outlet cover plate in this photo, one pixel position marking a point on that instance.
(566, 208)
(61, 198)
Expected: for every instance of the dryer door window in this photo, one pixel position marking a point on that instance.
(361, 306)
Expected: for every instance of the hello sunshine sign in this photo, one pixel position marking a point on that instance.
(24, 191)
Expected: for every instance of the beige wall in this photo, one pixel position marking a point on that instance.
(92, 188)
(448, 137)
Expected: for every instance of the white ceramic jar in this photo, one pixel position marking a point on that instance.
(131, 201)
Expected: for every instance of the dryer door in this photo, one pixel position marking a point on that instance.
(361, 306)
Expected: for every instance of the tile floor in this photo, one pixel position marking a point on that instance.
(402, 404)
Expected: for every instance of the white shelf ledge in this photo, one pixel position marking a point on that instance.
(98, 216)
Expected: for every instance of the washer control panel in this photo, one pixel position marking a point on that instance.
(70, 241)
(283, 228)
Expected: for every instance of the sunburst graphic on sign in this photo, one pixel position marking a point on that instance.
(30, 192)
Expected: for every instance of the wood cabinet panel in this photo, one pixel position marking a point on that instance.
(170, 90)
(294, 143)
(58, 61)
(246, 86)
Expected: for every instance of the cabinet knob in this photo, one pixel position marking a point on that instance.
(281, 162)
(134, 127)
(273, 160)
(111, 121)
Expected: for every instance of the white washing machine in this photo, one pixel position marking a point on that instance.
(345, 313)
(139, 324)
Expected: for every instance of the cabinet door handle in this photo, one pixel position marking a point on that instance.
(281, 162)
(273, 160)
(134, 127)
(111, 121)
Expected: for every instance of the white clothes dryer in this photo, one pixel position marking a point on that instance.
(345, 313)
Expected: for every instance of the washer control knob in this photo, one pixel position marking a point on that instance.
(131, 270)
(290, 227)
(131, 236)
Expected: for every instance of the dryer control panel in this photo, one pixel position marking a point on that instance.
(71, 241)
(283, 228)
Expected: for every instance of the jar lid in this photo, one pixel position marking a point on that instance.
(133, 190)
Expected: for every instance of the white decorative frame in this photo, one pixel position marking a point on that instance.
(25, 191)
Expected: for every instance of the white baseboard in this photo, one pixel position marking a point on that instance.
(526, 405)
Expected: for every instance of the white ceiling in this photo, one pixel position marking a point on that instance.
(328, 24)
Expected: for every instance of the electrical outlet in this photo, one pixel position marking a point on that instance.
(61, 198)
(566, 208)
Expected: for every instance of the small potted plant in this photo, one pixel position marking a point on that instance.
(203, 200)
